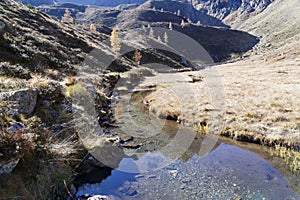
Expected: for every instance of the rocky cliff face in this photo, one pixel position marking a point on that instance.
(108, 3)
(231, 10)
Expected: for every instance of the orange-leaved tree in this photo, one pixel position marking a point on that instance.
(115, 41)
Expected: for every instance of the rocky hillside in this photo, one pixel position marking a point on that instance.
(152, 11)
(39, 42)
(183, 9)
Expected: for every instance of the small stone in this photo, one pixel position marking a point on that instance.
(268, 45)
(132, 146)
(125, 138)
(139, 176)
(152, 176)
(173, 173)
(186, 180)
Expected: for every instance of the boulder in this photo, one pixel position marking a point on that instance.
(19, 101)
(50, 90)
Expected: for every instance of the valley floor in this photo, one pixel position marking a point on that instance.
(261, 98)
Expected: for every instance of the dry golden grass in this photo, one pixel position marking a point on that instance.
(262, 98)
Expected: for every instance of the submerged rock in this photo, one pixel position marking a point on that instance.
(128, 189)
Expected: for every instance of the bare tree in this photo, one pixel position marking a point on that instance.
(170, 26)
(166, 38)
(182, 24)
(159, 39)
(151, 32)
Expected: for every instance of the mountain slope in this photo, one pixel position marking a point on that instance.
(38, 41)
(277, 25)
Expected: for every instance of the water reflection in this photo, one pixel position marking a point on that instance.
(228, 172)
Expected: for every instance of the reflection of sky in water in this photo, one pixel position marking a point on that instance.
(147, 163)
(225, 173)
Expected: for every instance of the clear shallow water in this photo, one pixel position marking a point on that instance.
(227, 172)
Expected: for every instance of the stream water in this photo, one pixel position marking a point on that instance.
(232, 170)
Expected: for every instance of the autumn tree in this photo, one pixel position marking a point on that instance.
(93, 28)
(115, 41)
(137, 56)
(67, 18)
